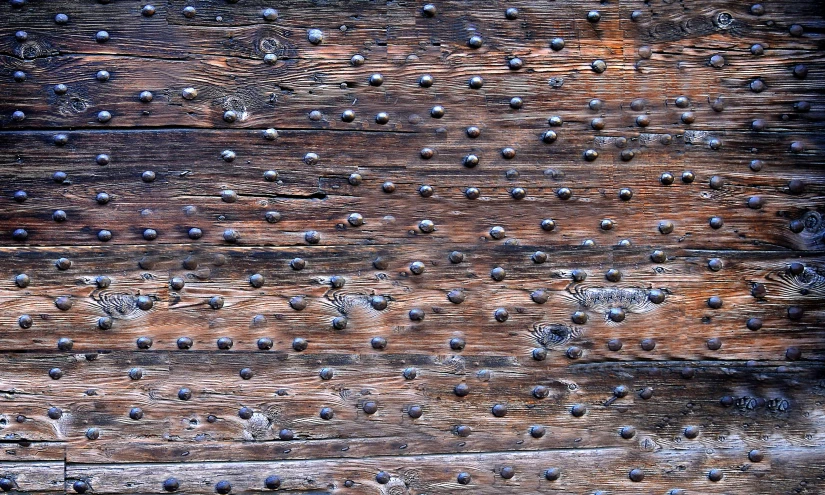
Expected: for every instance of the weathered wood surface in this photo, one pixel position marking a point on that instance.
(597, 347)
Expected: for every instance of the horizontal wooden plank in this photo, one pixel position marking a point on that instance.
(305, 195)
(429, 474)
(288, 392)
(249, 313)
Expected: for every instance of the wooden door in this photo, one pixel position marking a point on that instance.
(394, 247)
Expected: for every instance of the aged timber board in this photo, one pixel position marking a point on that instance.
(393, 247)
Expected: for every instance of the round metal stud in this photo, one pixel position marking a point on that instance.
(656, 296)
(476, 82)
(648, 344)
(315, 36)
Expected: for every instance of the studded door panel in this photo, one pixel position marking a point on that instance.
(397, 247)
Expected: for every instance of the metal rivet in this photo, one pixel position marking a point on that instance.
(613, 275)
(666, 227)
(463, 478)
(578, 410)
(101, 36)
(416, 314)
(370, 407)
(476, 82)
(598, 66)
(539, 296)
(614, 345)
(103, 116)
(796, 30)
(549, 136)
(388, 187)
(645, 52)
(104, 235)
(715, 475)
(426, 226)
(498, 273)
(755, 456)
(616, 314)
(515, 63)
(627, 432)
(754, 324)
(312, 237)
(105, 322)
(757, 85)
(715, 264)
(648, 344)
(299, 344)
(646, 393)
(516, 103)
(552, 474)
(437, 112)
(143, 343)
(475, 41)
(269, 14)
(25, 321)
(457, 344)
(80, 486)
(714, 302)
(337, 281)
(507, 472)
(636, 475)
(378, 343)
(656, 296)
(501, 315)
(564, 193)
(456, 296)
(793, 354)
(184, 343)
(574, 352)
(315, 36)
(802, 106)
(63, 264)
(223, 487)
(579, 317)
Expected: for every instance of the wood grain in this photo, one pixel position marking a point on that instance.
(668, 342)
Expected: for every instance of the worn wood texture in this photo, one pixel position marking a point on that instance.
(214, 279)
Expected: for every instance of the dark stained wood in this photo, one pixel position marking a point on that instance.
(683, 394)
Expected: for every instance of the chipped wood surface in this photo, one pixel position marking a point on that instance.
(314, 335)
